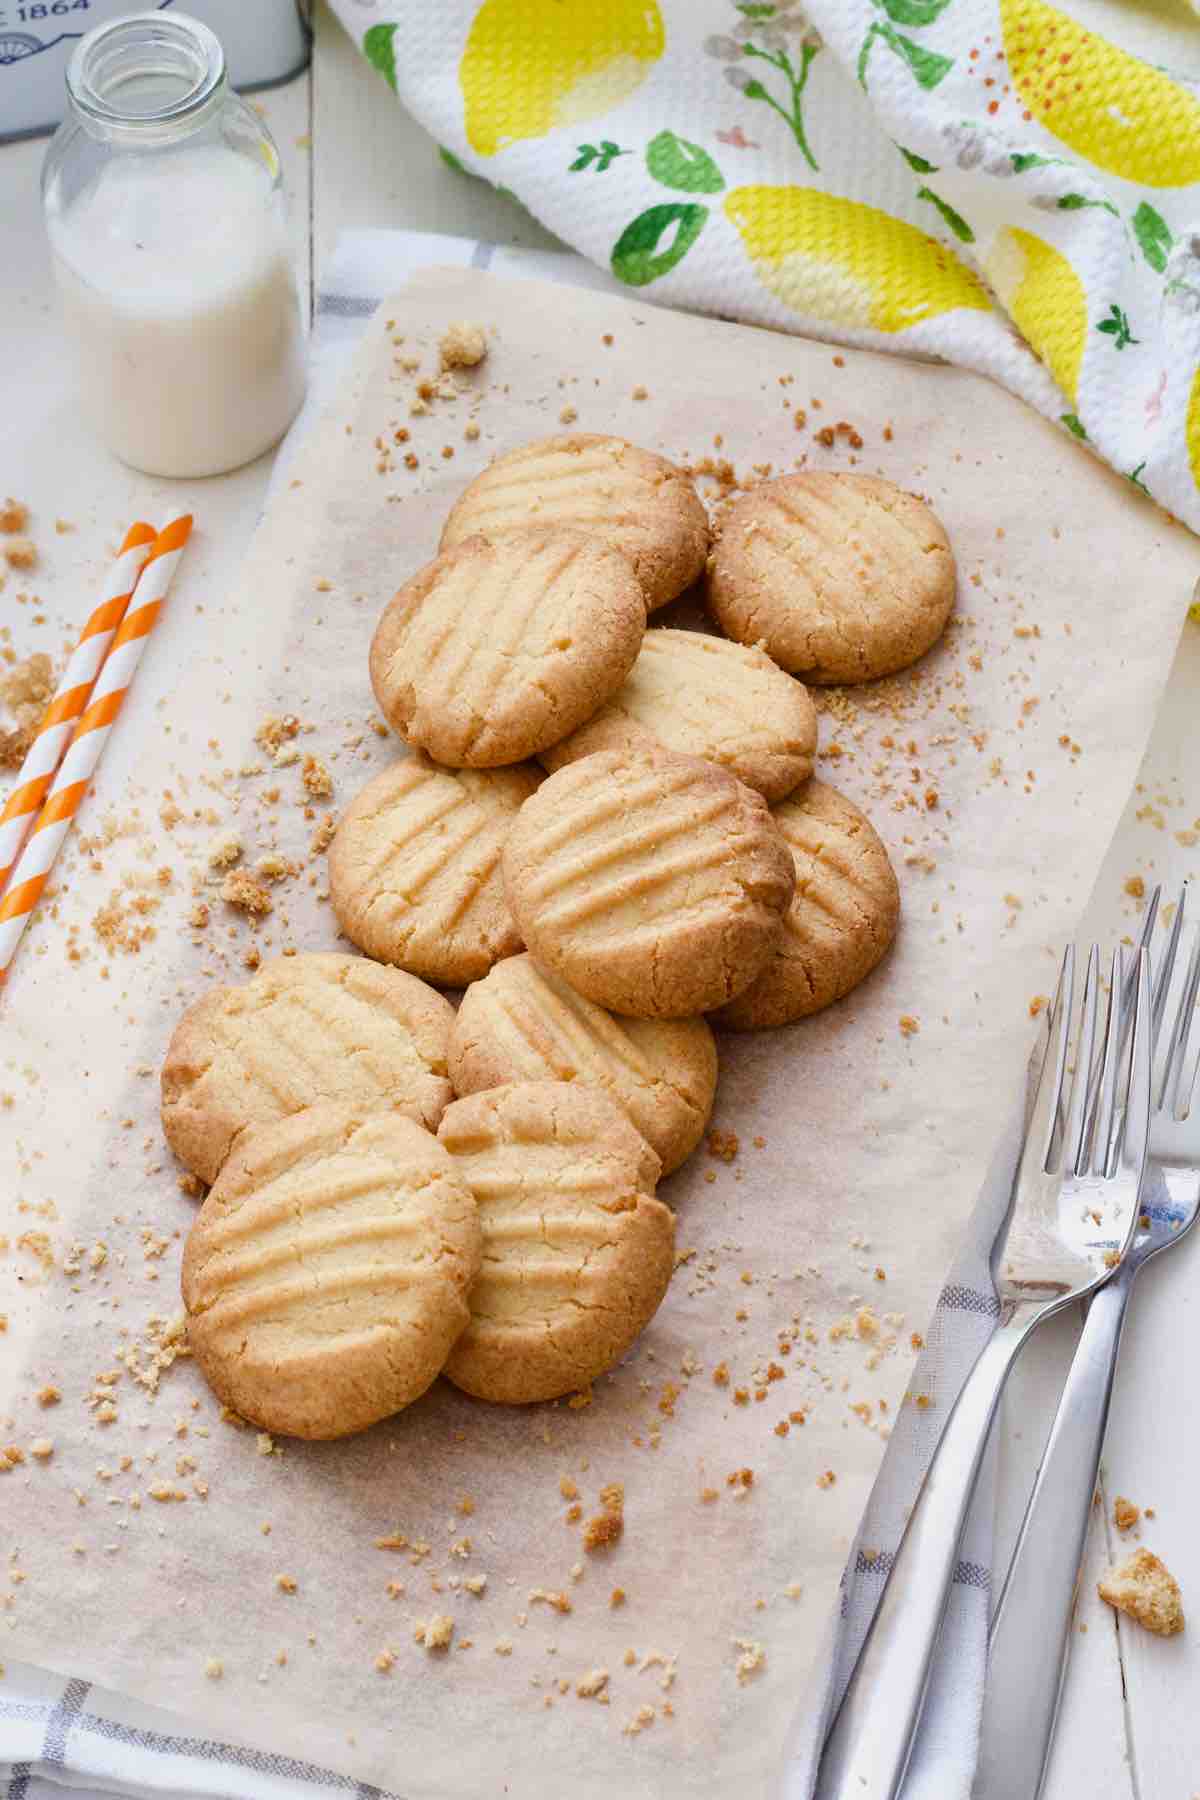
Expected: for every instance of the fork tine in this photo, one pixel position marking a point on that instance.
(1128, 990)
(1173, 1093)
(1162, 981)
(1047, 1101)
(1085, 1057)
(1095, 1155)
(1132, 1148)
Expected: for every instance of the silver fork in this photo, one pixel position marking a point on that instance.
(1075, 1197)
(1031, 1628)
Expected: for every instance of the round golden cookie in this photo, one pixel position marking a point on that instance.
(840, 578)
(501, 646)
(654, 884)
(842, 918)
(577, 1252)
(704, 696)
(523, 1023)
(326, 1275)
(414, 868)
(305, 1029)
(632, 498)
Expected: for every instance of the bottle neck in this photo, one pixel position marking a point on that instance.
(149, 79)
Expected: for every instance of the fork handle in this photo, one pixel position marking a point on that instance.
(867, 1751)
(1031, 1630)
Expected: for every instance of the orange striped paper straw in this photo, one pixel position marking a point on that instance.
(90, 736)
(45, 752)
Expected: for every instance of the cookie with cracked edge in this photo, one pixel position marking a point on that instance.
(655, 885)
(700, 695)
(577, 1252)
(502, 645)
(303, 1030)
(629, 497)
(840, 578)
(326, 1275)
(525, 1023)
(842, 918)
(414, 868)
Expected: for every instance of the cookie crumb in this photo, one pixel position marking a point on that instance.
(607, 1526)
(567, 416)
(42, 1449)
(1125, 1513)
(1144, 1588)
(616, 1598)
(214, 1668)
(20, 553)
(641, 1720)
(1135, 887)
(14, 515)
(274, 731)
(909, 1026)
(435, 1633)
(555, 1598)
(751, 1659)
(49, 1395)
(462, 345)
(591, 1684)
(286, 1584)
(318, 782)
(249, 896)
(224, 851)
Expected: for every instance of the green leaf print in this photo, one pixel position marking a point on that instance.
(601, 154)
(379, 48)
(1074, 425)
(1116, 326)
(917, 162)
(1077, 203)
(926, 65)
(791, 108)
(913, 12)
(1154, 235)
(1135, 475)
(955, 221)
(646, 249)
(1029, 159)
(756, 9)
(676, 163)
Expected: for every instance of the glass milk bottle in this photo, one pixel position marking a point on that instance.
(165, 212)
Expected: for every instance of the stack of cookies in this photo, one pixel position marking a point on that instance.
(603, 833)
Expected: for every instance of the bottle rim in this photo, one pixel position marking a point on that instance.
(143, 72)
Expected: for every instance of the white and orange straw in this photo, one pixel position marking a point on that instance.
(93, 724)
(72, 695)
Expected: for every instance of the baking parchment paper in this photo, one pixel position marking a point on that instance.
(748, 1424)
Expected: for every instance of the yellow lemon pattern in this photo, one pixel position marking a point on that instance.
(1045, 299)
(849, 264)
(1110, 107)
(1193, 428)
(532, 65)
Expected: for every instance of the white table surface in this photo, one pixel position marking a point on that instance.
(1130, 1727)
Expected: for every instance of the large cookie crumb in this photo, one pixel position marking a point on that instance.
(1145, 1589)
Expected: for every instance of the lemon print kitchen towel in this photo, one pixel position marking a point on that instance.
(1011, 184)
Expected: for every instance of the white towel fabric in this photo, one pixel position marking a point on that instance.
(851, 169)
(56, 1732)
